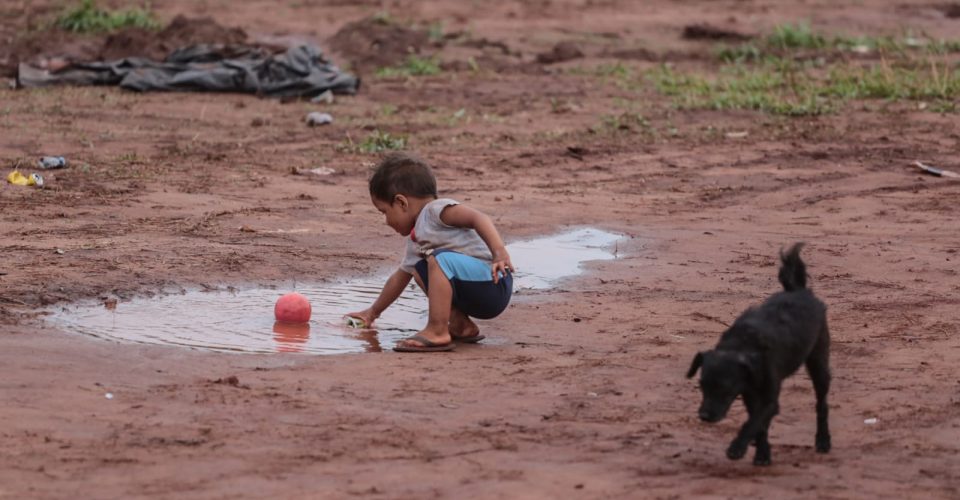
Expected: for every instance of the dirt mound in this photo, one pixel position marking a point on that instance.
(180, 32)
(561, 52)
(373, 43)
(40, 46)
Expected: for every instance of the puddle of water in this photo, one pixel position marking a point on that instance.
(542, 262)
(241, 320)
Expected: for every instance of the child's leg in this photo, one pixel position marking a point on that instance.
(440, 298)
(461, 326)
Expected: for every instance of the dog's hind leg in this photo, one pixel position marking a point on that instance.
(818, 366)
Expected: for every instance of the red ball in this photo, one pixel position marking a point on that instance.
(292, 308)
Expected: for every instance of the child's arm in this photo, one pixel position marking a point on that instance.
(391, 290)
(463, 216)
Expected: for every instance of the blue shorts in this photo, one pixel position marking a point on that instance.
(474, 292)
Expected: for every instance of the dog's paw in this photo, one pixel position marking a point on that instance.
(758, 460)
(823, 444)
(736, 451)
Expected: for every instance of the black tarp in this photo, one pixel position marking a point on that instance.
(301, 71)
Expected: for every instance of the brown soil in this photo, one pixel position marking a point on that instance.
(373, 43)
(581, 391)
(37, 47)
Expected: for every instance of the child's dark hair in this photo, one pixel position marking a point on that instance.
(405, 174)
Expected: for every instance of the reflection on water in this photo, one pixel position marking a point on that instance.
(241, 320)
(542, 262)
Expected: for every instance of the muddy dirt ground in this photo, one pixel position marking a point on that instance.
(582, 394)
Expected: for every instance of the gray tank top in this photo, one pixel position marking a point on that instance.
(431, 234)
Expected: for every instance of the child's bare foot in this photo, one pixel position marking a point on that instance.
(463, 329)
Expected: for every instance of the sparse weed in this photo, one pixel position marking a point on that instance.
(87, 17)
(380, 141)
(795, 36)
(387, 110)
(628, 121)
(413, 66)
(435, 31)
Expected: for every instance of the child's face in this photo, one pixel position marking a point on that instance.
(398, 214)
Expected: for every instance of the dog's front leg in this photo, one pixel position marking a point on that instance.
(761, 411)
(762, 455)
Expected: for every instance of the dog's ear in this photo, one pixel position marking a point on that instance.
(695, 365)
(752, 363)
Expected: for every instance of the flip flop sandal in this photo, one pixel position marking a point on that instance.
(427, 346)
(473, 339)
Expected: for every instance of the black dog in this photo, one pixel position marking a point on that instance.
(764, 346)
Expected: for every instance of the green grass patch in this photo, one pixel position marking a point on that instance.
(380, 141)
(787, 88)
(787, 39)
(87, 18)
(413, 66)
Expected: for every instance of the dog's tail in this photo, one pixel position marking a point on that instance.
(793, 272)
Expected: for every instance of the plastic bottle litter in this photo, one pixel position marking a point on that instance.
(108, 395)
(870, 421)
(52, 162)
(19, 179)
(355, 322)
(314, 119)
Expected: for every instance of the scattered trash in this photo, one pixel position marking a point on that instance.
(19, 179)
(355, 322)
(936, 171)
(709, 32)
(315, 119)
(592, 394)
(108, 395)
(870, 421)
(325, 97)
(59, 251)
(322, 171)
(860, 49)
(52, 162)
(737, 135)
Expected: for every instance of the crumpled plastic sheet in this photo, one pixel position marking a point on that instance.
(301, 71)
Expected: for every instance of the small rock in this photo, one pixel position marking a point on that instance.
(315, 119)
(258, 122)
(326, 97)
(710, 32)
(231, 380)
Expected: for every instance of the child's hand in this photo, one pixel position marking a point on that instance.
(366, 315)
(501, 264)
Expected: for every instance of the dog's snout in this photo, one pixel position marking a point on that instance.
(705, 416)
